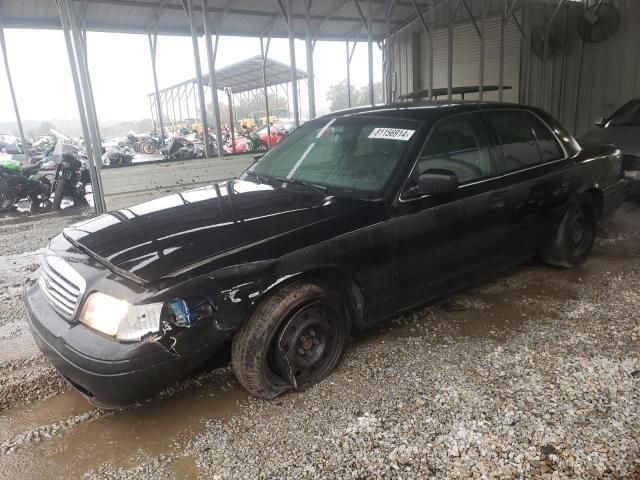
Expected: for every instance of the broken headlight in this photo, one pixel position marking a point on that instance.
(119, 319)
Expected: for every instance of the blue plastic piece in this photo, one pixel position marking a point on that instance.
(181, 312)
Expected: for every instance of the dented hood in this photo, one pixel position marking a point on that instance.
(215, 226)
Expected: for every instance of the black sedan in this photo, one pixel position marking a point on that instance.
(355, 217)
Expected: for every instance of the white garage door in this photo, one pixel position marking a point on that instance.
(466, 58)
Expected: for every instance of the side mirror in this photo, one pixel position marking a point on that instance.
(437, 182)
(600, 122)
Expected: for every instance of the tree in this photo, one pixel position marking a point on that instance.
(337, 95)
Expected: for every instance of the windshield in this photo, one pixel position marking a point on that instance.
(629, 115)
(346, 154)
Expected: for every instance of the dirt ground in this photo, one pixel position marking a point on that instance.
(533, 375)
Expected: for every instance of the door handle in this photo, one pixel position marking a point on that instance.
(498, 200)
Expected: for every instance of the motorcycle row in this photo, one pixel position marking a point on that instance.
(20, 181)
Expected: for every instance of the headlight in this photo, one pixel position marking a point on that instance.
(120, 319)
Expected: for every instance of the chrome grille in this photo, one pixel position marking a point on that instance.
(61, 284)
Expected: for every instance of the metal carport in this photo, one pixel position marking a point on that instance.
(256, 73)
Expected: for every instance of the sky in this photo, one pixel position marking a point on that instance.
(120, 70)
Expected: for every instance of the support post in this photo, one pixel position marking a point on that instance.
(212, 52)
(179, 91)
(483, 18)
(77, 64)
(545, 50)
(432, 15)
(188, 6)
(370, 51)
(311, 88)
(231, 126)
(292, 55)
(348, 76)
(173, 109)
(265, 52)
(452, 14)
(3, 44)
(503, 22)
(153, 44)
(389, 56)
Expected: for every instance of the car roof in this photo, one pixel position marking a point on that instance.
(421, 110)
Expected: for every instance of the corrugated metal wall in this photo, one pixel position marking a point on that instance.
(575, 91)
(405, 76)
(466, 58)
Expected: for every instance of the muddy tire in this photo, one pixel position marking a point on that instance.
(59, 193)
(293, 340)
(575, 235)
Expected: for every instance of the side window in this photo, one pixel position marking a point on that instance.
(458, 144)
(549, 147)
(519, 148)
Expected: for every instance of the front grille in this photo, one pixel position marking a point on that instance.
(62, 285)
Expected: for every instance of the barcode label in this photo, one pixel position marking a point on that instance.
(392, 133)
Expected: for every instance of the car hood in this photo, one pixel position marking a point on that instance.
(217, 226)
(626, 138)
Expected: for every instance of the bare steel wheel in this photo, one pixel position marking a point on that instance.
(293, 340)
(307, 345)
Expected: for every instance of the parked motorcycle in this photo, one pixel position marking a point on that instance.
(246, 144)
(71, 178)
(117, 156)
(148, 144)
(18, 182)
(179, 148)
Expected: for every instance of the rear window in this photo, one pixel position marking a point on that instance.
(549, 147)
(519, 147)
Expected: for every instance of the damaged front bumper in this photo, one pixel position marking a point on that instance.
(112, 374)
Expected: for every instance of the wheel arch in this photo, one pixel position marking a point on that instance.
(332, 277)
(598, 196)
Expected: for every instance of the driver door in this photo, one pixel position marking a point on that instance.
(445, 241)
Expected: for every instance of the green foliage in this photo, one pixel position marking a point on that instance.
(338, 99)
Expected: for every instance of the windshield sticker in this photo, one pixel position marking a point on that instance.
(392, 133)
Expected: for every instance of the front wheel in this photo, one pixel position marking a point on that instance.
(59, 193)
(575, 235)
(293, 340)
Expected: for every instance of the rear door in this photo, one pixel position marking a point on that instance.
(537, 173)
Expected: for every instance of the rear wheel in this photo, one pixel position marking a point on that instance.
(575, 235)
(293, 340)
(59, 193)
(148, 147)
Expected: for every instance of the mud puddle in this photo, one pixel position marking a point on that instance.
(493, 310)
(80, 438)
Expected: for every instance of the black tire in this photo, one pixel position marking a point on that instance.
(575, 235)
(293, 340)
(59, 193)
(42, 199)
(8, 198)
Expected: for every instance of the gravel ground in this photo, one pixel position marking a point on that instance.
(25, 375)
(533, 375)
(551, 389)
